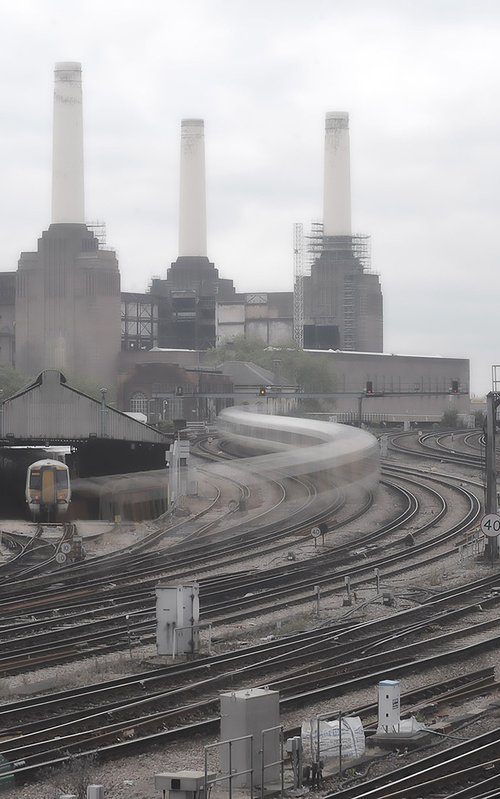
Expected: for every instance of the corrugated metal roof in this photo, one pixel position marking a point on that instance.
(49, 409)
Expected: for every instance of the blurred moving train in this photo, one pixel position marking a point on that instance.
(336, 454)
(48, 490)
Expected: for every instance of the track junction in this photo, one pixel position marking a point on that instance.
(416, 523)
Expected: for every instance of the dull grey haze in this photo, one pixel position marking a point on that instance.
(419, 80)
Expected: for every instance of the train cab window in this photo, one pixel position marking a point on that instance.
(36, 481)
(61, 478)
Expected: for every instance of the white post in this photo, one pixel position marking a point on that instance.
(389, 709)
(337, 185)
(67, 154)
(192, 206)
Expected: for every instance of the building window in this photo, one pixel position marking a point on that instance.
(139, 403)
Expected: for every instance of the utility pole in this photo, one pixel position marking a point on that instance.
(104, 412)
(492, 403)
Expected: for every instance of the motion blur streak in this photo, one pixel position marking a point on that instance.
(340, 455)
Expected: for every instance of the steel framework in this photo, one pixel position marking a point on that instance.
(298, 284)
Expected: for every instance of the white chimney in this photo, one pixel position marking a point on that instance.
(192, 210)
(67, 154)
(337, 188)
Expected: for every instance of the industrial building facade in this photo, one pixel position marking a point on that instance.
(67, 307)
(341, 305)
(63, 308)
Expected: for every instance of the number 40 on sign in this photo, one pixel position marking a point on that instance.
(490, 525)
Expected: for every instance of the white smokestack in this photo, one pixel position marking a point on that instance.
(192, 211)
(67, 154)
(337, 196)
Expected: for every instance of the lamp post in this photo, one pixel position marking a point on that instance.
(104, 391)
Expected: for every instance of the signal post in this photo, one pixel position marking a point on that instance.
(492, 403)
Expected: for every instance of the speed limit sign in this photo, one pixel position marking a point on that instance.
(315, 532)
(490, 525)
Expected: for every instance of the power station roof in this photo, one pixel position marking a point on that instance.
(387, 354)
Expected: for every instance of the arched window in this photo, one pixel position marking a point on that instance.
(139, 403)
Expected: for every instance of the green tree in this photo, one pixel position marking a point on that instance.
(450, 419)
(90, 388)
(479, 418)
(11, 381)
(241, 348)
(313, 373)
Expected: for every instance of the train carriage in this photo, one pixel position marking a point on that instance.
(48, 490)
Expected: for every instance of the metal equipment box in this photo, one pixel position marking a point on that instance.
(182, 784)
(177, 616)
(248, 712)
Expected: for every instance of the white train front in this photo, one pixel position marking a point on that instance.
(48, 490)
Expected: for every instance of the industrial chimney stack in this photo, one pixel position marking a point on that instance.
(192, 210)
(67, 155)
(337, 186)
(68, 291)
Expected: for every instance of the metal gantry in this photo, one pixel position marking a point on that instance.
(298, 284)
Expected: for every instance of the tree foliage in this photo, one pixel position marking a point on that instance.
(450, 419)
(313, 373)
(90, 388)
(11, 382)
(479, 418)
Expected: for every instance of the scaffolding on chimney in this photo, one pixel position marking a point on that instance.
(99, 231)
(315, 240)
(362, 250)
(358, 243)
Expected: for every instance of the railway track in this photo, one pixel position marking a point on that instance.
(467, 769)
(233, 598)
(35, 554)
(303, 668)
(342, 656)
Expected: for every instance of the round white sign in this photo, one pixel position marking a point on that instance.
(315, 532)
(66, 547)
(490, 525)
(61, 557)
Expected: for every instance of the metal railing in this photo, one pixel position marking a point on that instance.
(280, 762)
(230, 773)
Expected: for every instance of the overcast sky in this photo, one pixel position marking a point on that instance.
(419, 78)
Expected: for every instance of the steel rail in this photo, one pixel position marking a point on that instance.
(248, 604)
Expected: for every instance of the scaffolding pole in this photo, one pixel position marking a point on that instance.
(298, 284)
